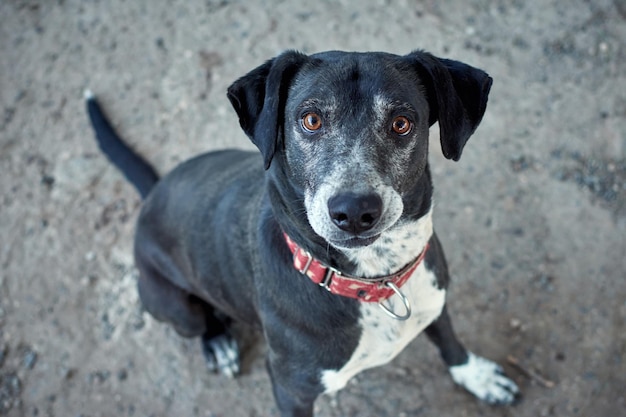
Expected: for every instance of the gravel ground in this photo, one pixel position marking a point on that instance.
(533, 217)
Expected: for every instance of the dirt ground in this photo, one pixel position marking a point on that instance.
(533, 217)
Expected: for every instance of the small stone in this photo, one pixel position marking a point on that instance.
(122, 374)
(515, 323)
(29, 359)
(88, 280)
(47, 181)
(68, 373)
(98, 377)
(603, 47)
(3, 354)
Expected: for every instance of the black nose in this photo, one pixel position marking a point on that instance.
(355, 213)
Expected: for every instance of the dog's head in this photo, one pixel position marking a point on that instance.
(351, 131)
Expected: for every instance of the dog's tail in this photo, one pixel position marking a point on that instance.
(134, 167)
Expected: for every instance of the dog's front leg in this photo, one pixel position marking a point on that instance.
(295, 390)
(441, 333)
(482, 377)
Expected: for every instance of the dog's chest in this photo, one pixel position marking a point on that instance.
(384, 337)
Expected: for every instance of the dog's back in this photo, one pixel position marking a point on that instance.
(204, 209)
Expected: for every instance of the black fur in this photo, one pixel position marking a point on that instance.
(209, 243)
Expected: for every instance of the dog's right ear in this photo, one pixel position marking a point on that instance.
(259, 99)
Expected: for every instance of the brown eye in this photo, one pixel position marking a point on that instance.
(311, 122)
(401, 125)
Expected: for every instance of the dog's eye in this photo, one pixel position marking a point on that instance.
(401, 125)
(311, 122)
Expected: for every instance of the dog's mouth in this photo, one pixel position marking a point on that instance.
(355, 242)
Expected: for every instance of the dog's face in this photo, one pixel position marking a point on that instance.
(351, 130)
(356, 135)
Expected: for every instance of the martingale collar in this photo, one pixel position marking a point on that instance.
(377, 289)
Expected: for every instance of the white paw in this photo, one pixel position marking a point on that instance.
(485, 379)
(222, 355)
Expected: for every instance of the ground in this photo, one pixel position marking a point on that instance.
(533, 217)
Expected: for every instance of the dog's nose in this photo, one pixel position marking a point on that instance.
(355, 213)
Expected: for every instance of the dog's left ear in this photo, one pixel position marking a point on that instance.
(457, 95)
(259, 100)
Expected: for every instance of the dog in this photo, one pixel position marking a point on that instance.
(324, 239)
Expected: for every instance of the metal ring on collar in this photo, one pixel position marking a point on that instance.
(405, 301)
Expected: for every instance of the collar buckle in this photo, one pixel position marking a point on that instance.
(307, 264)
(328, 277)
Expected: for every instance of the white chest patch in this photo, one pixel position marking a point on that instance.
(384, 337)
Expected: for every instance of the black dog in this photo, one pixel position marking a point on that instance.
(345, 202)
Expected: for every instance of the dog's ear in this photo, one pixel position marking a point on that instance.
(457, 95)
(259, 100)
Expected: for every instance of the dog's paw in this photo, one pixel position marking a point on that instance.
(222, 354)
(486, 380)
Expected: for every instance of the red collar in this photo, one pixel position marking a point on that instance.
(365, 289)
